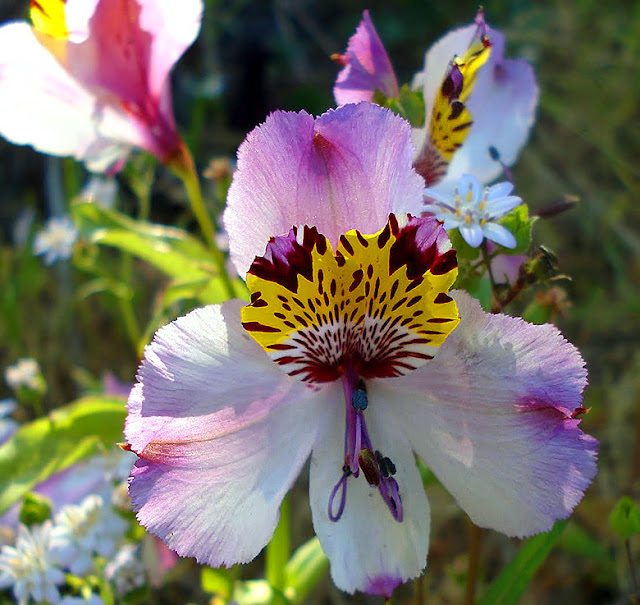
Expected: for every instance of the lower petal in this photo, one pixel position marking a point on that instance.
(493, 415)
(368, 549)
(221, 433)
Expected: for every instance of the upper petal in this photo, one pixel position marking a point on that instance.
(493, 415)
(347, 169)
(221, 436)
(368, 549)
(43, 106)
(173, 27)
(367, 67)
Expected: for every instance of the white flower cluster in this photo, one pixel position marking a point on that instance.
(34, 568)
(24, 373)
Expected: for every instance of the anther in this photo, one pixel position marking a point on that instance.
(370, 466)
(359, 399)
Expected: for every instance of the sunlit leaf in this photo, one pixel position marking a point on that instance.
(48, 445)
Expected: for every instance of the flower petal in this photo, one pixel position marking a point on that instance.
(173, 27)
(502, 104)
(221, 434)
(493, 415)
(41, 105)
(499, 206)
(369, 551)
(347, 169)
(472, 234)
(499, 234)
(499, 190)
(367, 67)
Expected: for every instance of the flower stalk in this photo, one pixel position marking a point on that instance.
(184, 168)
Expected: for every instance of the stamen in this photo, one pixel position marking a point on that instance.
(391, 495)
(341, 486)
(495, 156)
(369, 466)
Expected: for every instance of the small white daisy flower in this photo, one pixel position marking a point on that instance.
(473, 210)
(29, 568)
(84, 530)
(24, 373)
(126, 570)
(100, 190)
(56, 240)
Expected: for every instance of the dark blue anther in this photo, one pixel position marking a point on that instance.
(494, 154)
(359, 400)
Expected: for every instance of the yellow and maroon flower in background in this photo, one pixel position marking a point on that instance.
(90, 78)
(479, 105)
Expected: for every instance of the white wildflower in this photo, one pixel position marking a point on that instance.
(126, 571)
(100, 190)
(28, 567)
(473, 210)
(56, 240)
(84, 530)
(24, 373)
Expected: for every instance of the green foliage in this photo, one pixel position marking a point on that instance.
(49, 445)
(35, 509)
(409, 104)
(509, 586)
(305, 569)
(217, 582)
(625, 518)
(171, 250)
(519, 223)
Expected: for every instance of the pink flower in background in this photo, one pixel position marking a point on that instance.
(347, 353)
(90, 79)
(367, 67)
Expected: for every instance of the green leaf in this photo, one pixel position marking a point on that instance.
(217, 581)
(625, 518)
(509, 586)
(36, 509)
(278, 549)
(409, 104)
(305, 569)
(257, 592)
(519, 224)
(48, 445)
(171, 250)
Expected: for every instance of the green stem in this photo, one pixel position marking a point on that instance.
(130, 321)
(185, 169)
(474, 564)
(278, 550)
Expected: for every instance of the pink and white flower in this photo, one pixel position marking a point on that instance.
(91, 79)
(347, 353)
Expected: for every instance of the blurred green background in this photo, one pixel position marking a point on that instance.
(255, 56)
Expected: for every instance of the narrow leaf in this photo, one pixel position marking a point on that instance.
(509, 586)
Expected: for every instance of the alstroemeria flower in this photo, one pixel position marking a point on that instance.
(348, 353)
(479, 105)
(367, 67)
(90, 78)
